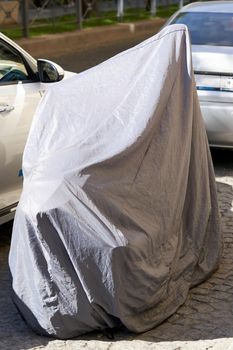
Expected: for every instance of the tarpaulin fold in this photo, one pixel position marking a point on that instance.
(118, 216)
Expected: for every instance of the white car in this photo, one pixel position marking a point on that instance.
(210, 24)
(23, 81)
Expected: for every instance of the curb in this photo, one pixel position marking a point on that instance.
(55, 44)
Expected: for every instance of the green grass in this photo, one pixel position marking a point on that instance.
(68, 22)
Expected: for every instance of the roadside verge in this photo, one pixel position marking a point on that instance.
(54, 44)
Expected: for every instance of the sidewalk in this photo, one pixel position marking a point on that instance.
(55, 44)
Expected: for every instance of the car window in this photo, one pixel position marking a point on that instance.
(12, 67)
(208, 28)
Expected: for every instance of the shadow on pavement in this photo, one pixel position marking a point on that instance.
(223, 161)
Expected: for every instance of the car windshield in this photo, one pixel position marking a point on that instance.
(208, 28)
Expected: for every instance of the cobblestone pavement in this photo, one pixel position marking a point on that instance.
(204, 322)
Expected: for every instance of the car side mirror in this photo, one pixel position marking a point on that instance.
(49, 72)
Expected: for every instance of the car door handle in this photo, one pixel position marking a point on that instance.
(6, 108)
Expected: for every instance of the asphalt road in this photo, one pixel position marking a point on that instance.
(91, 56)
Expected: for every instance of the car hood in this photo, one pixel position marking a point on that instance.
(69, 74)
(214, 59)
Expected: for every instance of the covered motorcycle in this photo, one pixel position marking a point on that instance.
(118, 217)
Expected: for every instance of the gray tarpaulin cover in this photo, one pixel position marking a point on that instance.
(118, 217)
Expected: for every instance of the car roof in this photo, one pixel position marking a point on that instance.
(209, 6)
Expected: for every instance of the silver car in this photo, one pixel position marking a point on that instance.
(23, 81)
(211, 30)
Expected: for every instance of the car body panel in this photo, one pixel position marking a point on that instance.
(23, 99)
(18, 102)
(218, 118)
(213, 68)
(212, 59)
